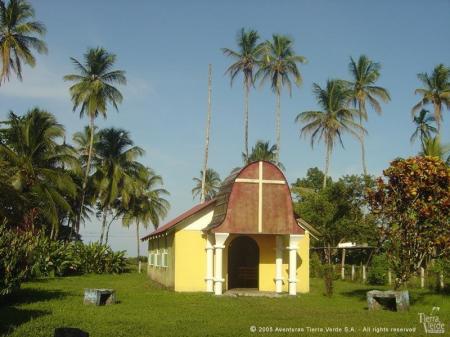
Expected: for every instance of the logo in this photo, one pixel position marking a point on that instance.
(432, 323)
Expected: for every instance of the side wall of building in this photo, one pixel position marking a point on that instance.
(158, 271)
(190, 257)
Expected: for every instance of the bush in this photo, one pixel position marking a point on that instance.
(378, 271)
(16, 258)
(26, 255)
(315, 265)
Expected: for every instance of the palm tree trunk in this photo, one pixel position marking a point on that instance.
(363, 148)
(278, 120)
(138, 243)
(208, 123)
(437, 117)
(246, 94)
(108, 227)
(86, 174)
(327, 164)
(102, 234)
(361, 140)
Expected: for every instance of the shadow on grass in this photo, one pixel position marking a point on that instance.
(359, 294)
(12, 317)
(24, 296)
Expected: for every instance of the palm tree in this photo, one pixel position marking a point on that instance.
(424, 129)
(147, 205)
(246, 60)
(262, 151)
(212, 184)
(365, 73)
(31, 150)
(278, 64)
(333, 120)
(434, 148)
(92, 92)
(19, 35)
(81, 140)
(436, 91)
(117, 171)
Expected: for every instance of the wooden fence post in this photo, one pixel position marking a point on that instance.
(364, 273)
(422, 277)
(389, 277)
(441, 280)
(343, 264)
(353, 272)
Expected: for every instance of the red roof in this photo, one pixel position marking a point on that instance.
(178, 219)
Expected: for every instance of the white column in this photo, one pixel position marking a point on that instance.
(209, 263)
(293, 246)
(218, 247)
(279, 264)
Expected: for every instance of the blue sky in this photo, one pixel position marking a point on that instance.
(165, 48)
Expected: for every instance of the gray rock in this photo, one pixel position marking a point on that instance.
(392, 300)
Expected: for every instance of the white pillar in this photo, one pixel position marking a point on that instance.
(293, 246)
(209, 263)
(279, 264)
(218, 247)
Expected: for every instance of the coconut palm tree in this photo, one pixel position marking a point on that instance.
(262, 151)
(246, 60)
(147, 204)
(335, 118)
(93, 90)
(278, 65)
(424, 129)
(365, 73)
(19, 36)
(30, 148)
(212, 184)
(117, 171)
(81, 141)
(434, 148)
(435, 91)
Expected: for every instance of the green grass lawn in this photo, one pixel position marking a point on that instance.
(146, 310)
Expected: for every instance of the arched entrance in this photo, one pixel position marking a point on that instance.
(243, 263)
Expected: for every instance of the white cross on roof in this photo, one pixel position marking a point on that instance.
(260, 181)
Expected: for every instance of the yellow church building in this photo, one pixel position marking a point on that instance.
(246, 237)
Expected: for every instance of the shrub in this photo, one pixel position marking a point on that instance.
(378, 271)
(16, 258)
(26, 255)
(315, 265)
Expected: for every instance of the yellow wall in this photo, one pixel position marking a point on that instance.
(190, 260)
(186, 269)
(163, 275)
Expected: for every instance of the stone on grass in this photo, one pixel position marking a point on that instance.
(391, 300)
(99, 296)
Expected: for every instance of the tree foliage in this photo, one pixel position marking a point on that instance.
(412, 205)
(339, 211)
(19, 35)
(212, 184)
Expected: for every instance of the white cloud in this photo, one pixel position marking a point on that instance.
(137, 87)
(40, 82)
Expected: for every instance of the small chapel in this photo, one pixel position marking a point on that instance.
(248, 236)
